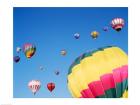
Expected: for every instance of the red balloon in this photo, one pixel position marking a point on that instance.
(51, 86)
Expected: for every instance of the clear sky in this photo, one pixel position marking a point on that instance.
(53, 29)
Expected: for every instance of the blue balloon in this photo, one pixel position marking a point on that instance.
(77, 35)
(16, 59)
(105, 28)
(57, 72)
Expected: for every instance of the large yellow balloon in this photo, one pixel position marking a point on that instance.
(100, 73)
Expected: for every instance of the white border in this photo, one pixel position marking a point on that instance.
(6, 56)
(69, 3)
(6, 49)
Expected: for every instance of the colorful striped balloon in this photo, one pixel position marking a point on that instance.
(29, 50)
(102, 73)
(117, 24)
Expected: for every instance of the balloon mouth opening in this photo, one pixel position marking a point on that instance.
(118, 29)
(17, 61)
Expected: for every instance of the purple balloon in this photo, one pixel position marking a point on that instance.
(16, 59)
(105, 28)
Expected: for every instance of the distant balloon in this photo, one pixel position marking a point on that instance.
(34, 86)
(117, 24)
(77, 35)
(105, 28)
(94, 34)
(18, 49)
(63, 52)
(57, 72)
(29, 50)
(16, 59)
(41, 68)
(51, 86)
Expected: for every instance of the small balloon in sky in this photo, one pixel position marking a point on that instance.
(18, 49)
(34, 86)
(117, 24)
(16, 59)
(94, 34)
(57, 72)
(105, 28)
(51, 86)
(29, 50)
(63, 52)
(41, 68)
(77, 35)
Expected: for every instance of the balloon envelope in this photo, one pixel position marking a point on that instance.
(29, 50)
(77, 35)
(51, 86)
(102, 73)
(41, 68)
(34, 86)
(63, 52)
(16, 59)
(57, 72)
(94, 34)
(117, 24)
(18, 49)
(105, 28)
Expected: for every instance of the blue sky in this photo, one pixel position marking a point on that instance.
(53, 29)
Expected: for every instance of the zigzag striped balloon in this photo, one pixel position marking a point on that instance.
(102, 73)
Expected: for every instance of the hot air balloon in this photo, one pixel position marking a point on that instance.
(63, 52)
(117, 24)
(29, 50)
(16, 59)
(77, 35)
(57, 72)
(34, 86)
(94, 34)
(51, 86)
(18, 49)
(105, 28)
(41, 68)
(102, 73)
